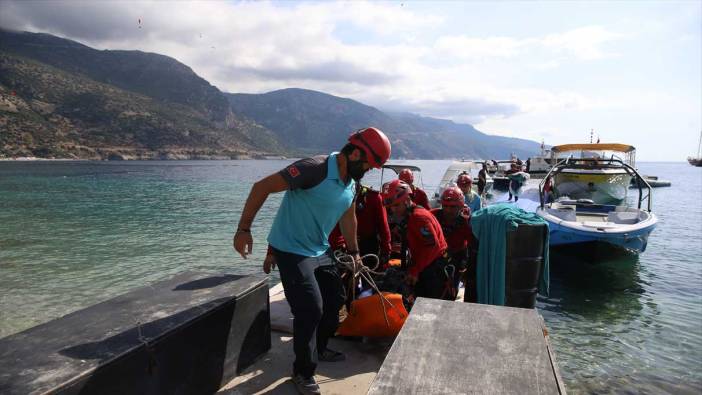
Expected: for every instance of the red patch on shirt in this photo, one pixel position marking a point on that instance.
(293, 171)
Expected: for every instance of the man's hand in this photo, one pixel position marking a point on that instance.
(269, 263)
(357, 262)
(243, 243)
(410, 279)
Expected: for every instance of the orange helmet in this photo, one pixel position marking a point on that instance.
(407, 176)
(396, 191)
(374, 143)
(464, 179)
(452, 196)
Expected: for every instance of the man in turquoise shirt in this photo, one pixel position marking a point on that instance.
(320, 193)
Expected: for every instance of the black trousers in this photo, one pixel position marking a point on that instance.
(481, 187)
(315, 293)
(368, 245)
(433, 282)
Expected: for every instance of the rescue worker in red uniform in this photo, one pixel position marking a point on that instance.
(419, 197)
(454, 218)
(423, 238)
(372, 228)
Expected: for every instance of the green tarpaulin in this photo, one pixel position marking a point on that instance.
(490, 227)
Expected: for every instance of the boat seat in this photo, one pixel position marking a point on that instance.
(623, 217)
(563, 212)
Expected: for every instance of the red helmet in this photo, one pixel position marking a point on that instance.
(396, 191)
(407, 176)
(464, 179)
(374, 143)
(452, 196)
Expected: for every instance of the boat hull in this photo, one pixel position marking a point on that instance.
(630, 237)
(601, 186)
(501, 183)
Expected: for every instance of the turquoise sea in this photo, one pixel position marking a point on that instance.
(76, 233)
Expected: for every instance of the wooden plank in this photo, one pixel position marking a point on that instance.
(447, 348)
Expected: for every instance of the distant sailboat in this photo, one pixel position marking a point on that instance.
(697, 160)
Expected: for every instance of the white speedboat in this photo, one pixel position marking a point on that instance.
(595, 171)
(498, 169)
(451, 174)
(584, 221)
(542, 163)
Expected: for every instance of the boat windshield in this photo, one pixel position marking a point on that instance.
(592, 153)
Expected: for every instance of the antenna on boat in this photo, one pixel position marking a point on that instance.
(591, 132)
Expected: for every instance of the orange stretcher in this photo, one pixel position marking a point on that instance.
(366, 317)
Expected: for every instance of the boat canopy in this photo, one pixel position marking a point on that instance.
(593, 147)
(397, 168)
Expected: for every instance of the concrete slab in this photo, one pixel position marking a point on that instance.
(271, 374)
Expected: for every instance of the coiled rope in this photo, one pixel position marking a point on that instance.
(362, 271)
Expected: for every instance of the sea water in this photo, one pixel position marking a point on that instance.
(76, 233)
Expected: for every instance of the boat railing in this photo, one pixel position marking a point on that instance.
(589, 163)
(396, 169)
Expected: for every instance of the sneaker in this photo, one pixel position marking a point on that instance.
(330, 355)
(306, 386)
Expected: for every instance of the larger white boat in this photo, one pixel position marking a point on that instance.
(584, 221)
(542, 163)
(595, 172)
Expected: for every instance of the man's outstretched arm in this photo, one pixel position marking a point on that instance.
(242, 241)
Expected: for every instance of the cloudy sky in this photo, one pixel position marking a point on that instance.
(552, 71)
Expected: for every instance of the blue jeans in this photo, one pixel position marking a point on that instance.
(315, 293)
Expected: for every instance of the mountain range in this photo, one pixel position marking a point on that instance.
(62, 99)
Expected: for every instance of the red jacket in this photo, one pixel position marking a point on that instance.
(419, 197)
(425, 239)
(371, 219)
(458, 233)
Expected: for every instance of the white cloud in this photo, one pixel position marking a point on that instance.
(470, 47)
(258, 46)
(584, 43)
(362, 50)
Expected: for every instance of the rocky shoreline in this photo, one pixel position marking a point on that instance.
(138, 154)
